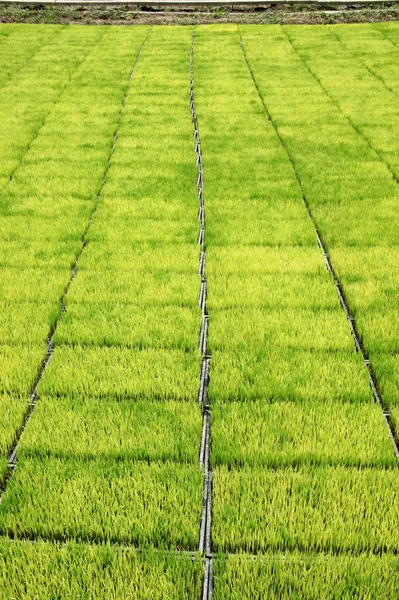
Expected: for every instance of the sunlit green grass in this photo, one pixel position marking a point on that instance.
(94, 427)
(301, 456)
(129, 325)
(79, 571)
(12, 411)
(26, 323)
(259, 330)
(284, 374)
(321, 577)
(329, 509)
(104, 500)
(122, 373)
(287, 434)
(19, 366)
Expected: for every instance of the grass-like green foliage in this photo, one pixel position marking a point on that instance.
(143, 430)
(118, 232)
(3, 467)
(271, 291)
(286, 374)
(255, 330)
(368, 103)
(22, 224)
(282, 231)
(129, 325)
(309, 577)
(371, 48)
(141, 257)
(37, 253)
(376, 263)
(330, 509)
(12, 410)
(26, 323)
(363, 224)
(343, 141)
(104, 500)
(15, 55)
(389, 31)
(149, 207)
(75, 571)
(369, 279)
(259, 260)
(288, 434)
(32, 285)
(386, 369)
(122, 373)
(37, 85)
(379, 329)
(161, 287)
(18, 367)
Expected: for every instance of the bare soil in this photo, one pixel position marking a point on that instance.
(140, 14)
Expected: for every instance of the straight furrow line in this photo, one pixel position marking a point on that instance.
(351, 319)
(336, 104)
(371, 71)
(29, 59)
(384, 35)
(13, 456)
(189, 554)
(204, 458)
(54, 104)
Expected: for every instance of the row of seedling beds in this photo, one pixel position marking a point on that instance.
(289, 394)
(297, 494)
(95, 385)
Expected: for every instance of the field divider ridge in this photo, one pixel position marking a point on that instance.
(13, 456)
(337, 105)
(205, 545)
(53, 105)
(359, 59)
(384, 35)
(29, 58)
(339, 288)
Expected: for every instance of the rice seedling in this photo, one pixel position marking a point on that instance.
(12, 410)
(284, 374)
(321, 509)
(102, 372)
(39, 85)
(379, 329)
(271, 291)
(129, 326)
(301, 456)
(321, 577)
(31, 285)
(372, 49)
(161, 287)
(359, 224)
(116, 232)
(281, 434)
(255, 330)
(365, 99)
(33, 253)
(389, 31)
(78, 571)
(19, 366)
(15, 55)
(283, 231)
(104, 500)
(90, 428)
(26, 323)
(141, 257)
(386, 368)
(259, 260)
